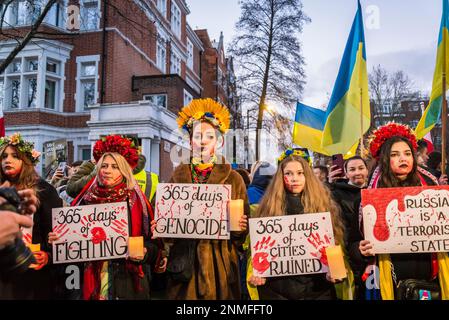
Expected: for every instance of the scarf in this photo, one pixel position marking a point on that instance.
(95, 286)
(201, 171)
(440, 261)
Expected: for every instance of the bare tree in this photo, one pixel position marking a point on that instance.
(388, 91)
(268, 54)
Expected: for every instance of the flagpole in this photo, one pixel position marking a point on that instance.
(444, 111)
(362, 146)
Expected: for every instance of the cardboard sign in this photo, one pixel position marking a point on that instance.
(89, 233)
(196, 211)
(407, 220)
(290, 245)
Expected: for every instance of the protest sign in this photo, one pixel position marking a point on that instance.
(54, 152)
(407, 220)
(198, 211)
(89, 233)
(290, 245)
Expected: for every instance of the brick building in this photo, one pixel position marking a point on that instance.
(123, 51)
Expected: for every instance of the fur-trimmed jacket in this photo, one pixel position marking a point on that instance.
(214, 263)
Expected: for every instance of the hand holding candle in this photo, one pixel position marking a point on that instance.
(336, 262)
(235, 214)
(34, 247)
(135, 248)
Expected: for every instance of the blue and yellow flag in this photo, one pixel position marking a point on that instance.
(432, 113)
(308, 128)
(342, 129)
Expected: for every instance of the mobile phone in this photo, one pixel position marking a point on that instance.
(62, 166)
(337, 160)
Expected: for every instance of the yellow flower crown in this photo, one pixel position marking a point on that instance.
(21, 145)
(300, 152)
(204, 110)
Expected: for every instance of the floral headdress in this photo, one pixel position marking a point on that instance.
(390, 130)
(204, 110)
(118, 144)
(300, 152)
(25, 147)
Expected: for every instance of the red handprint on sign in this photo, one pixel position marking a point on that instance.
(318, 243)
(98, 235)
(120, 227)
(27, 238)
(260, 259)
(61, 230)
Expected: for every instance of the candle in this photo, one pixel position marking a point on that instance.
(336, 262)
(35, 247)
(135, 247)
(235, 213)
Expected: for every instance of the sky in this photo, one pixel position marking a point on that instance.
(399, 35)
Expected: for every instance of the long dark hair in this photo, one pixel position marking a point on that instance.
(388, 179)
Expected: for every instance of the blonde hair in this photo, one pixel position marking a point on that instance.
(123, 166)
(315, 197)
(28, 177)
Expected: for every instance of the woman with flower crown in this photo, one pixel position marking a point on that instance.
(206, 269)
(127, 279)
(294, 189)
(394, 147)
(18, 161)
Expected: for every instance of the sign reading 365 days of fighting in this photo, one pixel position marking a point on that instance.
(407, 220)
(290, 245)
(88, 233)
(197, 211)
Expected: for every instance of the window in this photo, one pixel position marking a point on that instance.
(16, 66)
(32, 90)
(161, 56)
(189, 54)
(50, 94)
(87, 82)
(175, 64)
(56, 15)
(52, 67)
(89, 15)
(85, 153)
(159, 100)
(162, 6)
(175, 19)
(32, 64)
(15, 93)
(187, 97)
(2, 87)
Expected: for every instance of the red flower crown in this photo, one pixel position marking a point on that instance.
(118, 144)
(383, 133)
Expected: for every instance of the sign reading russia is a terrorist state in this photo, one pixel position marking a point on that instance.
(198, 211)
(407, 220)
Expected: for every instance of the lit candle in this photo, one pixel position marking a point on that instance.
(235, 213)
(35, 247)
(336, 262)
(135, 247)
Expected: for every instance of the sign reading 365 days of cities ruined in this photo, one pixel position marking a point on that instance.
(88, 233)
(198, 211)
(407, 220)
(290, 245)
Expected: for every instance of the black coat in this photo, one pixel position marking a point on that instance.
(36, 284)
(301, 287)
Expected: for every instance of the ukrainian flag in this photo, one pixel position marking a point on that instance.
(308, 128)
(342, 128)
(432, 113)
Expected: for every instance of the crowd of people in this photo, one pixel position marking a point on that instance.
(191, 269)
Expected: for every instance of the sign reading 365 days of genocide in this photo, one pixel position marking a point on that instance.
(197, 211)
(407, 220)
(290, 245)
(88, 233)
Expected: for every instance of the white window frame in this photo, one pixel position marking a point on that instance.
(83, 12)
(187, 97)
(80, 60)
(162, 7)
(175, 63)
(161, 62)
(41, 75)
(146, 96)
(190, 54)
(176, 19)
